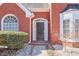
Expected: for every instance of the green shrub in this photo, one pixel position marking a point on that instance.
(50, 52)
(14, 40)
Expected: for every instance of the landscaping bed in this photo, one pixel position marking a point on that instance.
(7, 52)
(11, 42)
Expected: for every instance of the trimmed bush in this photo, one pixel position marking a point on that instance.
(14, 40)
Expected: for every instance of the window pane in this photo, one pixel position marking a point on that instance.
(76, 28)
(66, 31)
(10, 23)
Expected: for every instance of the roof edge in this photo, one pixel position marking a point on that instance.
(26, 10)
(70, 6)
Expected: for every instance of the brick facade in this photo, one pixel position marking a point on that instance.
(24, 22)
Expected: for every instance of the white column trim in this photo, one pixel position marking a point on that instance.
(50, 7)
(46, 31)
(30, 31)
(34, 30)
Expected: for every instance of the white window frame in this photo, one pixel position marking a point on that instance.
(61, 25)
(4, 18)
(45, 28)
(74, 15)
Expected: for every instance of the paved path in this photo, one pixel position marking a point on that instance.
(32, 50)
(67, 51)
(41, 50)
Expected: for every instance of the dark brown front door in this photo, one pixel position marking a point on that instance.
(40, 31)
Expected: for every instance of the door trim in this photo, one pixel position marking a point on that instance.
(45, 28)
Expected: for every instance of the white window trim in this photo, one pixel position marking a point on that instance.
(4, 18)
(45, 26)
(61, 29)
(61, 26)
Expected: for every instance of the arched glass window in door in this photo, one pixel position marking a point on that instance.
(9, 23)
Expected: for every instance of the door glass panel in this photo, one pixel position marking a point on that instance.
(40, 31)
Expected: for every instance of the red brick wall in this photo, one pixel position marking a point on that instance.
(12, 8)
(56, 8)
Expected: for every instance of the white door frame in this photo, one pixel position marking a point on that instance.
(45, 28)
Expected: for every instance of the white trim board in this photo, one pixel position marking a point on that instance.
(45, 28)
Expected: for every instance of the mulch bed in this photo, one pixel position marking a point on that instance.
(8, 52)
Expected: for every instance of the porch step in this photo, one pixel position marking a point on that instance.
(39, 43)
(32, 50)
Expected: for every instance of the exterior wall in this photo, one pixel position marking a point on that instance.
(45, 15)
(24, 22)
(12, 8)
(56, 8)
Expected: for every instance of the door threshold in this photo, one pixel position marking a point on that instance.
(39, 43)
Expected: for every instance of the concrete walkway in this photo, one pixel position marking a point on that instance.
(67, 51)
(41, 50)
(33, 50)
